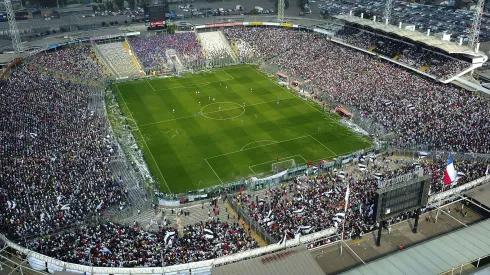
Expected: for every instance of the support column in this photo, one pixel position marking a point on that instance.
(380, 229)
(416, 224)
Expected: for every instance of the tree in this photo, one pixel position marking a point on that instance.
(109, 6)
(366, 14)
(171, 29)
(119, 3)
(254, 12)
(95, 8)
(325, 14)
(302, 3)
(132, 4)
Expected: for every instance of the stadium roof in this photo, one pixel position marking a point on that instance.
(481, 194)
(293, 261)
(435, 256)
(431, 41)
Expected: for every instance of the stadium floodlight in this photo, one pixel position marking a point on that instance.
(387, 12)
(475, 27)
(14, 30)
(280, 11)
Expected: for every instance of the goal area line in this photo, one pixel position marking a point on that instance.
(283, 159)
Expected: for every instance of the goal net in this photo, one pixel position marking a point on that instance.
(283, 165)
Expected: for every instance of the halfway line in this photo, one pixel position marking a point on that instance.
(179, 118)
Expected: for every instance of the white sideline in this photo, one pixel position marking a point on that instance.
(143, 138)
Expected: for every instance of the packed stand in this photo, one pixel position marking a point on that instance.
(420, 111)
(438, 65)
(312, 204)
(114, 245)
(54, 155)
(152, 50)
(74, 61)
(244, 49)
(269, 42)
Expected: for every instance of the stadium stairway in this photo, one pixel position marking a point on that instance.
(254, 235)
(424, 68)
(117, 59)
(131, 55)
(235, 48)
(233, 53)
(102, 67)
(216, 41)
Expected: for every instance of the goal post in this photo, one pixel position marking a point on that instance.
(283, 165)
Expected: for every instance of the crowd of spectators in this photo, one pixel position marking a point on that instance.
(419, 110)
(54, 155)
(54, 152)
(439, 65)
(152, 50)
(316, 203)
(74, 61)
(115, 245)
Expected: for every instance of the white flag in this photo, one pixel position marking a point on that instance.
(488, 170)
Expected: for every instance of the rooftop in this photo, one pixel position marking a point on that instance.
(431, 41)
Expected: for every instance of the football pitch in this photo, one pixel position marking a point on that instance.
(237, 125)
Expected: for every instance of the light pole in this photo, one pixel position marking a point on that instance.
(345, 215)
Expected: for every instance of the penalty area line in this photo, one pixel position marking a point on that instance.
(323, 145)
(150, 85)
(214, 171)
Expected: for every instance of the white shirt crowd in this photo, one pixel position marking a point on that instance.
(53, 155)
(418, 110)
(313, 204)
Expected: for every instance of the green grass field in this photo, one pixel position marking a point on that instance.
(239, 133)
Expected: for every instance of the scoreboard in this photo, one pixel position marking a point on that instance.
(156, 13)
(402, 197)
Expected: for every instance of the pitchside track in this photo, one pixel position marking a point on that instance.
(239, 132)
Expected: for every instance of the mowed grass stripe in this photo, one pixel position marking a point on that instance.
(183, 158)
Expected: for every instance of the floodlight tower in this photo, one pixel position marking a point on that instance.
(387, 12)
(14, 30)
(475, 27)
(280, 11)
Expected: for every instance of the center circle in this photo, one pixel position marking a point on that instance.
(222, 110)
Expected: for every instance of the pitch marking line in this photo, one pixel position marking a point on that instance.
(179, 118)
(283, 88)
(150, 85)
(283, 159)
(323, 145)
(252, 170)
(232, 78)
(273, 141)
(213, 171)
(257, 147)
(142, 137)
(307, 103)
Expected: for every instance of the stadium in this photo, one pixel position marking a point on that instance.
(239, 146)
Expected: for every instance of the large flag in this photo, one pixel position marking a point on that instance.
(451, 173)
